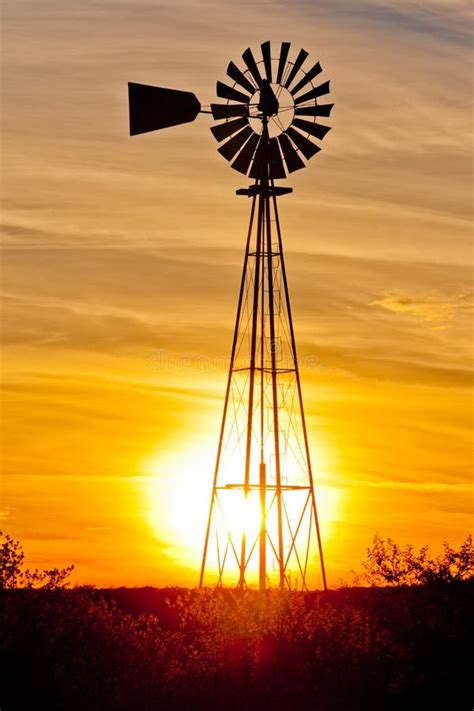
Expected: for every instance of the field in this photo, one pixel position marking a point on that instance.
(349, 649)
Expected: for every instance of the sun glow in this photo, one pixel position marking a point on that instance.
(177, 494)
(177, 497)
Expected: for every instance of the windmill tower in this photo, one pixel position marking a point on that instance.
(262, 526)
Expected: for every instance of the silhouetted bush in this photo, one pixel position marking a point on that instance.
(352, 649)
(388, 564)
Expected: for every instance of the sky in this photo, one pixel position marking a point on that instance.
(122, 259)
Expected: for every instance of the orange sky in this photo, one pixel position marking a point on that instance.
(122, 260)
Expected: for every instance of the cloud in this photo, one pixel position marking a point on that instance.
(432, 308)
(446, 20)
(457, 487)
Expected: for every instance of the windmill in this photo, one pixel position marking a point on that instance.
(263, 521)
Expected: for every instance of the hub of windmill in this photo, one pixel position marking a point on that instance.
(268, 103)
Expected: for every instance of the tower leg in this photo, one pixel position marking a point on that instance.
(300, 394)
(262, 571)
(253, 351)
(273, 353)
(227, 393)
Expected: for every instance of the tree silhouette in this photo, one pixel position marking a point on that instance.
(12, 574)
(388, 564)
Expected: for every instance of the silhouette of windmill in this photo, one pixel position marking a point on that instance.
(263, 518)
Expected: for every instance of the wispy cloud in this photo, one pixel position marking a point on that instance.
(431, 308)
(446, 20)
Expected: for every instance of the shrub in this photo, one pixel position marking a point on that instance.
(388, 564)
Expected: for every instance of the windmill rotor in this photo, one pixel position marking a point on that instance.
(279, 92)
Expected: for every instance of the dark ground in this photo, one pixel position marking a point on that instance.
(353, 649)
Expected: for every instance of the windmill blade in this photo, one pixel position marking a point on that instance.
(313, 72)
(227, 92)
(252, 66)
(239, 77)
(315, 129)
(267, 60)
(285, 48)
(259, 163)
(277, 169)
(307, 148)
(292, 159)
(154, 107)
(267, 161)
(223, 111)
(224, 130)
(316, 110)
(296, 67)
(243, 160)
(320, 90)
(229, 149)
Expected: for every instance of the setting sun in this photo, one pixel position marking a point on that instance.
(177, 490)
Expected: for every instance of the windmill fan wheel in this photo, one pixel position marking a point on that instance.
(270, 122)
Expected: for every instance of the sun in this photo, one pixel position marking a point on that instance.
(177, 491)
(177, 497)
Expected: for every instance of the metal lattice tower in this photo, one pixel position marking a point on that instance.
(262, 526)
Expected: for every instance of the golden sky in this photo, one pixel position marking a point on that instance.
(122, 261)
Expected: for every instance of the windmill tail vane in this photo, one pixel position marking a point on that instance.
(262, 527)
